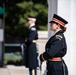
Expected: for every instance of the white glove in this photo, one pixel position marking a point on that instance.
(39, 62)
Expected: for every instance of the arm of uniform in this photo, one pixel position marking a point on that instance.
(32, 35)
(44, 56)
(54, 49)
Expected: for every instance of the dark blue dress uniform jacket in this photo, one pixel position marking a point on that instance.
(55, 47)
(30, 53)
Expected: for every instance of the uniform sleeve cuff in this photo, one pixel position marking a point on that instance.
(42, 57)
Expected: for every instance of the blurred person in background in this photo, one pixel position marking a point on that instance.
(30, 53)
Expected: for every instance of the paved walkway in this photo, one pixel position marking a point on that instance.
(15, 70)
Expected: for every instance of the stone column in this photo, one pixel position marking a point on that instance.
(52, 8)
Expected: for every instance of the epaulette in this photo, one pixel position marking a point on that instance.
(59, 36)
(33, 29)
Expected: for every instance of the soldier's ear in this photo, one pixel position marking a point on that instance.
(58, 25)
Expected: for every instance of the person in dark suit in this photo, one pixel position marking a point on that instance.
(56, 48)
(30, 54)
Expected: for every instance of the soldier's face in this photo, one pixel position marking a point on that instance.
(29, 22)
(53, 27)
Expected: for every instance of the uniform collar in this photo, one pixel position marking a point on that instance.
(59, 31)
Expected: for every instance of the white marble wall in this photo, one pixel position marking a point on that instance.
(73, 36)
(66, 9)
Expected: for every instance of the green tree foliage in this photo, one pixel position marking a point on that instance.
(17, 12)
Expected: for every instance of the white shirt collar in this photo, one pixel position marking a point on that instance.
(32, 25)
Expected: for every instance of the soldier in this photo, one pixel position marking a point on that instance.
(30, 54)
(56, 48)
